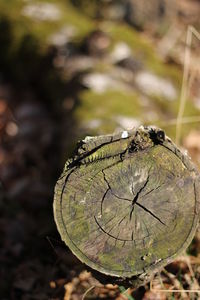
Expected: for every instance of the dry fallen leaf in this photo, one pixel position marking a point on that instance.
(69, 287)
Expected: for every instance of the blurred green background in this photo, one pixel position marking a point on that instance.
(71, 68)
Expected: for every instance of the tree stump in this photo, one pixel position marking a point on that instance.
(127, 204)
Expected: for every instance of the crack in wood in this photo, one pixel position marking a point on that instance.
(150, 212)
(108, 232)
(108, 189)
(134, 201)
(121, 198)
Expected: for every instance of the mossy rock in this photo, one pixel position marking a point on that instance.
(128, 204)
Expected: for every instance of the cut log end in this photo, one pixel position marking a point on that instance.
(127, 204)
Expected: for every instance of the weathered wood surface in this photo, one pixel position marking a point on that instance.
(127, 204)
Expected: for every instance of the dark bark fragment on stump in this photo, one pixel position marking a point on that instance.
(127, 204)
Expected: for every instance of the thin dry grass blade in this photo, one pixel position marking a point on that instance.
(184, 89)
(184, 120)
(87, 292)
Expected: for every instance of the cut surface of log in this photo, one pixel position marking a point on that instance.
(127, 204)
